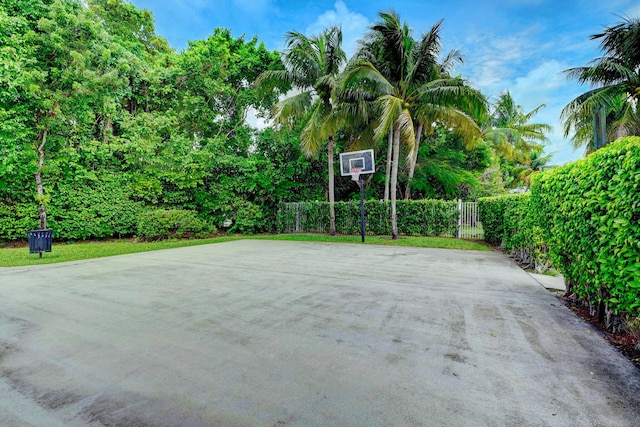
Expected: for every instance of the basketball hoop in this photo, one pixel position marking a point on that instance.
(355, 173)
(354, 164)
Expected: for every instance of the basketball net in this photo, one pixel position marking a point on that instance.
(355, 174)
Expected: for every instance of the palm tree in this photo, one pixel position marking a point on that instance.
(311, 66)
(616, 81)
(406, 93)
(509, 131)
(438, 71)
(536, 162)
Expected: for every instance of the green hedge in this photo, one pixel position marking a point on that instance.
(587, 214)
(415, 217)
(161, 224)
(98, 210)
(95, 209)
(511, 222)
(491, 212)
(17, 219)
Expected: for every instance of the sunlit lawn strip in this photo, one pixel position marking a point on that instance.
(62, 252)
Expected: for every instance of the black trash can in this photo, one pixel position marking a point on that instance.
(39, 241)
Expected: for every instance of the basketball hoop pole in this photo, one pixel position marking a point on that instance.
(361, 184)
(357, 177)
(355, 164)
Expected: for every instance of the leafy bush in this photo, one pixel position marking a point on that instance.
(491, 212)
(161, 224)
(249, 218)
(510, 221)
(415, 217)
(80, 209)
(589, 214)
(16, 220)
(92, 210)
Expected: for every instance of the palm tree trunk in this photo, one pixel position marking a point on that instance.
(388, 167)
(414, 160)
(40, 188)
(332, 211)
(394, 184)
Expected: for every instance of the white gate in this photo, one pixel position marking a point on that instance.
(469, 226)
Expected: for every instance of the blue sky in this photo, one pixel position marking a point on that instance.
(517, 45)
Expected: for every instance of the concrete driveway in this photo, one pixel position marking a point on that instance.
(269, 333)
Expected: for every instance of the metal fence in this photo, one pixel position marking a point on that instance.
(314, 217)
(469, 226)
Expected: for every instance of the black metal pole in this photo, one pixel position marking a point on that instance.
(361, 183)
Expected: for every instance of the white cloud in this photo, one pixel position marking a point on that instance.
(530, 70)
(491, 62)
(353, 24)
(540, 85)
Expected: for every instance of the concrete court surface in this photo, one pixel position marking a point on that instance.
(274, 333)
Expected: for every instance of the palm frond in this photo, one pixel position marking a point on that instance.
(424, 65)
(499, 141)
(460, 122)
(315, 133)
(365, 72)
(453, 58)
(391, 108)
(272, 79)
(335, 56)
(292, 107)
(407, 131)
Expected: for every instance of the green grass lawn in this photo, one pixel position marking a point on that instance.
(61, 252)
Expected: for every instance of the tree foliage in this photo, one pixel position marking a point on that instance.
(122, 123)
(409, 89)
(311, 65)
(102, 123)
(615, 81)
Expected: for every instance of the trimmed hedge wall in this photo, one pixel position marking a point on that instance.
(102, 210)
(588, 215)
(491, 212)
(161, 224)
(510, 221)
(78, 211)
(589, 211)
(415, 217)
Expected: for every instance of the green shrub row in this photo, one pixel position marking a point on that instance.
(17, 219)
(491, 212)
(587, 214)
(511, 222)
(98, 209)
(81, 225)
(415, 217)
(161, 224)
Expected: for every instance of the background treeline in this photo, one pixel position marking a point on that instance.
(101, 121)
(125, 124)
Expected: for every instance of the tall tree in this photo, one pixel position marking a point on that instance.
(616, 80)
(312, 65)
(406, 93)
(447, 168)
(213, 87)
(68, 67)
(536, 162)
(510, 131)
